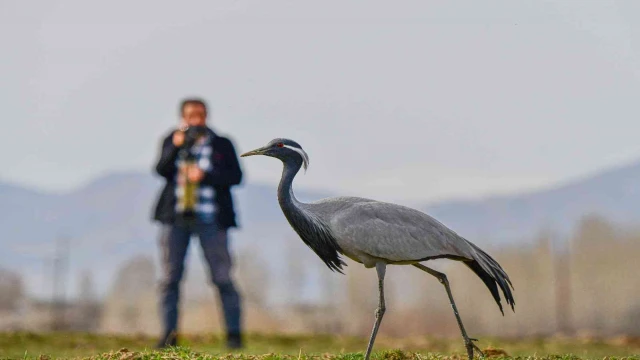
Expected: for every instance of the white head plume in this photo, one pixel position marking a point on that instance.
(303, 154)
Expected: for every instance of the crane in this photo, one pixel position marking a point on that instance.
(377, 234)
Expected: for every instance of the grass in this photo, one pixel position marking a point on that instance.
(276, 347)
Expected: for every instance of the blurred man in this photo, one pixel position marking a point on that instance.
(199, 168)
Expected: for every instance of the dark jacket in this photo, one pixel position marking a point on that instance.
(226, 173)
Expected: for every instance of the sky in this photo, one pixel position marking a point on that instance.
(425, 100)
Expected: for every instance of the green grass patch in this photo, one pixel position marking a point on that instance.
(303, 347)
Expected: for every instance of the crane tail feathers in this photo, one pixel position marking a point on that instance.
(337, 267)
(493, 275)
(488, 280)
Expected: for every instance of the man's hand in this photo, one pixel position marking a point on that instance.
(178, 138)
(194, 174)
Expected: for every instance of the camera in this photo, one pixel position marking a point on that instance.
(191, 135)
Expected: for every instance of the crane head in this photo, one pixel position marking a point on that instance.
(283, 149)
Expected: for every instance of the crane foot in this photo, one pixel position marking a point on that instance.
(470, 345)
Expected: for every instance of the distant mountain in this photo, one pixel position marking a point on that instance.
(108, 220)
(614, 194)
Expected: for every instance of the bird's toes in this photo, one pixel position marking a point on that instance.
(472, 346)
(478, 350)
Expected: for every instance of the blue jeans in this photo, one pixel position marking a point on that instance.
(174, 242)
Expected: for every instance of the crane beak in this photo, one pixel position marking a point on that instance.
(259, 151)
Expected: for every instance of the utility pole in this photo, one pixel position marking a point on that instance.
(60, 269)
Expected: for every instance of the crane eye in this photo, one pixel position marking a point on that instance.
(280, 145)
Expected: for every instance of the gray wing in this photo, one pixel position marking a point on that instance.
(389, 231)
(400, 234)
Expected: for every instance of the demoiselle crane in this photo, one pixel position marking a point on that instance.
(377, 234)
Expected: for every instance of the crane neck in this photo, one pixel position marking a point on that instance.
(286, 198)
(309, 227)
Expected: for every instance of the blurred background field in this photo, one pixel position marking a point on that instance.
(587, 289)
(73, 345)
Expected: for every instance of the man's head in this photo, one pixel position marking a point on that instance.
(193, 111)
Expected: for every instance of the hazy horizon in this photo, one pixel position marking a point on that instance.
(427, 100)
(406, 200)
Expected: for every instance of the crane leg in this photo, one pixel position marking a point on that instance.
(468, 342)
(381, 268)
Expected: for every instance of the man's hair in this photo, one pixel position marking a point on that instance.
(193, 101)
